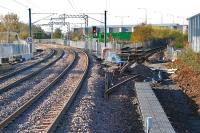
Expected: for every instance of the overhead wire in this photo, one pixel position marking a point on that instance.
(19, 3)
(75, 5)
(34, 4)
(72, 6)
(5, 8)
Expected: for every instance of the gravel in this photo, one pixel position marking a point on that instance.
(35, 115)
(176, 104)
(91, 112)
(25, 73)
(27, 63)
(17, 96)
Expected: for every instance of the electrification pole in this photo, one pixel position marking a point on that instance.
(105, 30)
(30, 28)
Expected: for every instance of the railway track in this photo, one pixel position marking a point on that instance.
(21, 69)
(29, 73)
(24, 101)
(53, 100)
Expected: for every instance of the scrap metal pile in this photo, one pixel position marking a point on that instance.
(121, 64)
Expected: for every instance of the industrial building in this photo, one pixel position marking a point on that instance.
(130, 28)
(194, 32)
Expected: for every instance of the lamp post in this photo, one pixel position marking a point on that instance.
(182, 19)
(122, 18)
(145, 14)
(161, 16)
(173, 18)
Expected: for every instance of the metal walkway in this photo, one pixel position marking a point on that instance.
(150, 107)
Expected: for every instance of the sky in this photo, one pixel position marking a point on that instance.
(120, 12)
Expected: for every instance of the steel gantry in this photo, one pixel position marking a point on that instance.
(83, 16)
(52, 23)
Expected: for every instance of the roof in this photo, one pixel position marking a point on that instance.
(194, 16)
(129, 26)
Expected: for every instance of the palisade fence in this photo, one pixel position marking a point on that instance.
(12, 46)
(16, 48)
(172, 53)
(93, 45)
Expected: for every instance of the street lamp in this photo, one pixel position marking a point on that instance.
(161, 16)
(145, 13)
(122, 18)
(182, 19)
(173, 18)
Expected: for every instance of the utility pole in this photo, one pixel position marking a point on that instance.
(105, 31)
(30, 28)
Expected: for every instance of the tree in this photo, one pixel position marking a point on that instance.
(142, 34)
(57, 33)
(39, 33)
(11, 22)
(23, 30)
(145, 33)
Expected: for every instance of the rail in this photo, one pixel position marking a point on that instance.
(19, 111)
(8, 75)
(53, 125)
(8, 87)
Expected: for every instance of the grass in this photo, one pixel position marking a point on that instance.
(191, 58)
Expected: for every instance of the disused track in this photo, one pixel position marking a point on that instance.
(57, 108)
(27, 74)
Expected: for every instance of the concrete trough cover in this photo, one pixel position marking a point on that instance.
(151, 107)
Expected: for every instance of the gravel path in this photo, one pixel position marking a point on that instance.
(17, 96)
(91, 112)
(36, 114)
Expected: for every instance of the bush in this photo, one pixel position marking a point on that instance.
(144, 33)
(191, 58)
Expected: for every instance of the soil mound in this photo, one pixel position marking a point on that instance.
(188, 80)
(142, 70)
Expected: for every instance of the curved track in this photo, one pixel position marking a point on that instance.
(10, 74)
(53, 100)
(35, 92)
(15, 80)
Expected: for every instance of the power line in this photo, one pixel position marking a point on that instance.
(19, 3)
(72, 5)
(43, 18)
(5, 8)
(30, 2)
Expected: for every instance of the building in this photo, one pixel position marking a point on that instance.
(130, 28)
(194, 32)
